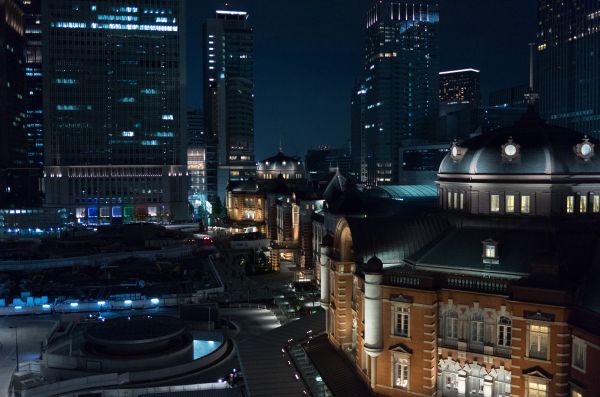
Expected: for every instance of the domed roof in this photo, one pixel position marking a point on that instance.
(280, 159)
(530, 147)
(374, 265)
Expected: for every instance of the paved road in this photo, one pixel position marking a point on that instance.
(32, 331)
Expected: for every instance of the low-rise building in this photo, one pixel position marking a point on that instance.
(494, 293)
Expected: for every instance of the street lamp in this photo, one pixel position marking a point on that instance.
(16, 343)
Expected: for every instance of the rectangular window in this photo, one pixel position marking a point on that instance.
(495, 203)
(570, 204)
(462, 201)
(538, 341)
(401, 374)
(449, 199)
(504, 332)
(152, 211)
(583, 204)
(578, 354)
(536, 389)
(452, 327)
(525, 204)
(575, 393)
(402, 321)
(455, 200)
(596, 203)
(477, 331)
(490, 251)
(510, 203)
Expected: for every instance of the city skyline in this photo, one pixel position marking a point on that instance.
(335, 47)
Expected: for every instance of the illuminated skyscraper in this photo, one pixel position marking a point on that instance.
(12, 85)
(399, 85)
(34, 104)
(568, 69)
(229, 98)
(460, 99)
(114, 117)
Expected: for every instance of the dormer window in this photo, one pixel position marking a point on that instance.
(525, 204)
(490, 251)
(583, 204)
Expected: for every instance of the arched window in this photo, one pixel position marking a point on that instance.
(504, 331)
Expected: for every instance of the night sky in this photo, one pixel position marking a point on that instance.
(309, 52)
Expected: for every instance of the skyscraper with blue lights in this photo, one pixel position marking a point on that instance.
(399, 86)
(114, 117)
(228, 60)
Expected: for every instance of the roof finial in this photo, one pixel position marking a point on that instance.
(531, 97)
(280, 145)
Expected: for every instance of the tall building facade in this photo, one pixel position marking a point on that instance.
(114, 117)
(34, 104)
(196, 160)
(460, 99)
(12, 85)
(228, 43)
(399, 85)
(568, 71)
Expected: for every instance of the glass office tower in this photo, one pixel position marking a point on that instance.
(399, 84)
(114, 117)
(228, 43)
(34, 104)
(568, 68)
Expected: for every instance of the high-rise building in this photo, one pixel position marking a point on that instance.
(34, 104)
(568, 75)
(460, 99)
(229, 98)
(399, 84)
(114, 117)
(511, 97)
(460, 87)
(196, 160)
(19, 184)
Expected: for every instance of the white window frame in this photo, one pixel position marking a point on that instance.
(534, 336)
(490, 251)
(540, 390)
(495, 203)
(403, 311)
(504, 332)
(451, 323)
(583, 204)
(579, 345)
(595, 203)
(401, 370)
(477, 328)
(570, 204)
(462, 201)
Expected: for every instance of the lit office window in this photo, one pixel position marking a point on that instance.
(401, 373)
(596, 203)
(536, 389)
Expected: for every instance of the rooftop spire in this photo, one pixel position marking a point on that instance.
(531, 97)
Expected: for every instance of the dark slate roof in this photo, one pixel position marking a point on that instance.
(335, 188)
(249, 186)
(544, 149)
(341, 377)
(394, 238)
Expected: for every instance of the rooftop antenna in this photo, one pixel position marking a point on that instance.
(280, 145)
(531, 97)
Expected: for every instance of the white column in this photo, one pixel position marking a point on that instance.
(324, 261)
(462, 384)
(373, 314)
(373, 374)
(487, 388)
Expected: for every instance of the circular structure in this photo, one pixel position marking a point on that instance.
(530, 147)
(374, 265)
(137, 335)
